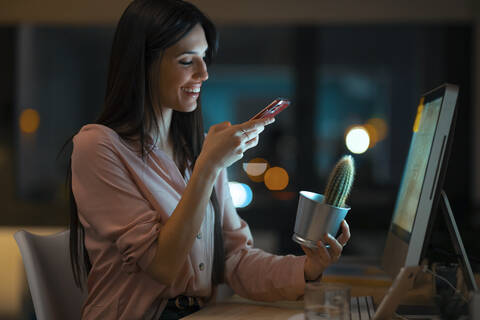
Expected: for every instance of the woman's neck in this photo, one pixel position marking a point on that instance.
(162, 138)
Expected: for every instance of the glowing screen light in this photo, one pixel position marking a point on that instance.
(357, 140)
(241, 194)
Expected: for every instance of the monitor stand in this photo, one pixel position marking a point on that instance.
(431, 311)
(457, 243)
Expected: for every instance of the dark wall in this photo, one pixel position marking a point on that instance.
(61, 71)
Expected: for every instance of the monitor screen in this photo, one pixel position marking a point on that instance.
(422, 179)
(416, 166)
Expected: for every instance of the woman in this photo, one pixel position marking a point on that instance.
(151, 210)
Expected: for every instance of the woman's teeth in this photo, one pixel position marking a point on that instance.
(191, 90)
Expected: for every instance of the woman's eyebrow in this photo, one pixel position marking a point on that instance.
(191, 52)
(187, 52)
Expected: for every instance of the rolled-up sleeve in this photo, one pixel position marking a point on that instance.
(254, 273)
(110, 203)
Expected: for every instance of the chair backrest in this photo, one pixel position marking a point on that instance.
(49, 274)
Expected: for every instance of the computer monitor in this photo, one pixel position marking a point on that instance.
(421, 188)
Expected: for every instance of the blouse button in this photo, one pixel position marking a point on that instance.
(199, 236)
(201, 266)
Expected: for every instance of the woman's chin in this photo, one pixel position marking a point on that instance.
(188, 107)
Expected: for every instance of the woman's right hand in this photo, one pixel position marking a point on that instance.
(226, 143)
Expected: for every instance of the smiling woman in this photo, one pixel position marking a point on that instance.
(151, 210)
(181, 72)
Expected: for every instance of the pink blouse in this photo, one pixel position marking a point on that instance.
(123, 202)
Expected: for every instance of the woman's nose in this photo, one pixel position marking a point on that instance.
(202, 73)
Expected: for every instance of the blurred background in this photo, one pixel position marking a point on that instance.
(352, 69)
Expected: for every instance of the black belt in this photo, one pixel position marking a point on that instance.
(184, 302)
(180, 307)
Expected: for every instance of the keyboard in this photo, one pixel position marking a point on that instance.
(361, 308)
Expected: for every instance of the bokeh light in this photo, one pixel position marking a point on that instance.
(241, 194)
(29, 120)
(357, 139)
(372, 133)
(276, 178)
(380, 126)
(256, 168)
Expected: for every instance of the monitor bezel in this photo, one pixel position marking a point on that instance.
(403, 249)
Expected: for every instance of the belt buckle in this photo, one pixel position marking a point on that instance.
(178, 303)
(182, 302)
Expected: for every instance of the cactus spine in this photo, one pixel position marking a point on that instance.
(340, 182)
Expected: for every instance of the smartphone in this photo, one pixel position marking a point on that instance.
(274, 108)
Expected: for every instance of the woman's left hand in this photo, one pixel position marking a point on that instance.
(318, 259)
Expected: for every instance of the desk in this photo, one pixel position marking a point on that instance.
(237, 308)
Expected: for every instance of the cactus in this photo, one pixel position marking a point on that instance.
(340, 182)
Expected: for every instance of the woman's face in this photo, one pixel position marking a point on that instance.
(182, 71)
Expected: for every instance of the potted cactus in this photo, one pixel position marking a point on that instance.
(340, 182)
(319, 214)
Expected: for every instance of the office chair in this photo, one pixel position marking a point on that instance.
(49, 274)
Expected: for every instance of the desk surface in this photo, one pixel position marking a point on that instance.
(233, 310)
(237, 308)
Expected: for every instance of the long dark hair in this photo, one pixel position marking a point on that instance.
(145, 30)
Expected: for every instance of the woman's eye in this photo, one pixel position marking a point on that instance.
(186, 63)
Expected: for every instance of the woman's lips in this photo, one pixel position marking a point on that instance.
(193, 92)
